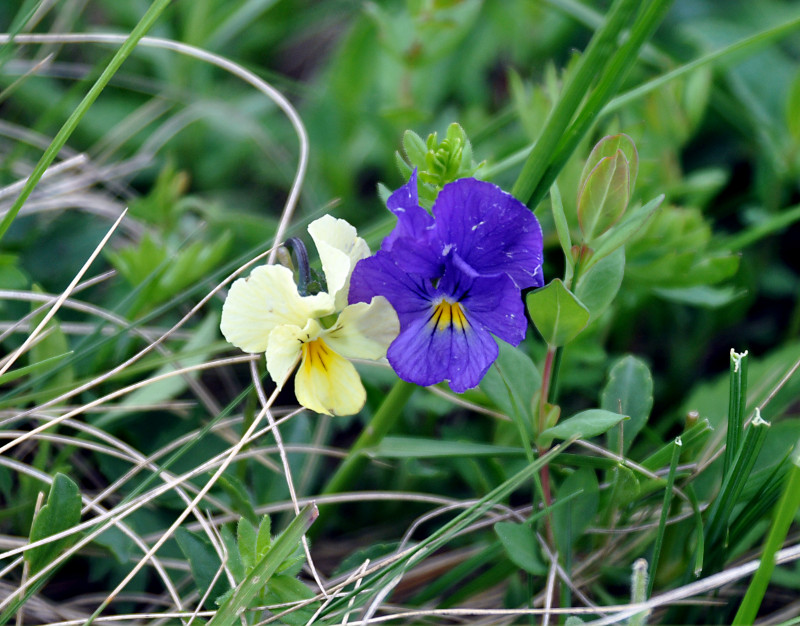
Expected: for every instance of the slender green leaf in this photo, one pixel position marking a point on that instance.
(782, 520)
(584, 425)
(418, 447)
(562, 229)
(590, 65)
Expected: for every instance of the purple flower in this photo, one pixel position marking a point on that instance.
(454, 279)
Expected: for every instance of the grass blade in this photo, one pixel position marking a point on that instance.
(784, 515)
(80, 111)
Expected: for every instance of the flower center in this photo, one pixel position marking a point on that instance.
(448, 315)
(316, 354)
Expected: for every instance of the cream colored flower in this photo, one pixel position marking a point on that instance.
(266, 313)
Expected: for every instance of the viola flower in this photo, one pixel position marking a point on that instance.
(266, 313)
(455, 279)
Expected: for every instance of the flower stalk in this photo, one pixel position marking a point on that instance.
(376, 429)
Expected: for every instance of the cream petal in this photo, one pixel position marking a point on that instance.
(364, 331)
(327, 382)
(285, 348)
(267, 298)
(339, 248)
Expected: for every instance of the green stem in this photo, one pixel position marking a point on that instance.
(77, 115)
(373, 433)
(662, 523)
(590, 65)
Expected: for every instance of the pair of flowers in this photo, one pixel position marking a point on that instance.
(430, 299)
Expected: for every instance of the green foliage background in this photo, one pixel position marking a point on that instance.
(204, 164)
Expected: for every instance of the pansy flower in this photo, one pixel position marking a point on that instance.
(266, 313)
(454, 278)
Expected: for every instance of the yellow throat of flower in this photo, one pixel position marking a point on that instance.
(448, 315)
(317, 355)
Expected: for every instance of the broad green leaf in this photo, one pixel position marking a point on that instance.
(62, 512)
(572, 519)
(558, 315)
(519, 541)
(585, 424)
(629, 391)
(204, 563)
(598, 287)
(520, 374)
(418, 447)
(281, 549)
(246, 538)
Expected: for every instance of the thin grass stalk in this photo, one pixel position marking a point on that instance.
(147, 21)
(677, 446)
(784, 516)
(737, 401)
(590, 65)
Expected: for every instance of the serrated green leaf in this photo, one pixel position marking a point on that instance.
(557, 313)
(281, 549)
(584, 425)
(629, 391)
(264, 538)
(246, 540)
(519, 541)
(62, 512)
(415, 148)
